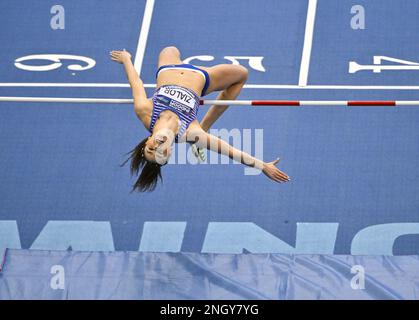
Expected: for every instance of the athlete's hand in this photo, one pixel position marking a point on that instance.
(120, 56)
(271, 171)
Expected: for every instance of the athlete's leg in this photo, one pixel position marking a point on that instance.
(169, 55)
(229, 79)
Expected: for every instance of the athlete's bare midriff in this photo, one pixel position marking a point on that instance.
(184, 78)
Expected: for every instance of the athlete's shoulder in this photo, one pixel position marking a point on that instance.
(144, 112)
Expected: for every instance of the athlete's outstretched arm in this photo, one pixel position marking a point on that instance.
(137, 85)
(213, 143)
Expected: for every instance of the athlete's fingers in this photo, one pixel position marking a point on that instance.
(276, 177)
(283, 176)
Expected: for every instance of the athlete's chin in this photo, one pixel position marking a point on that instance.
(162, 160)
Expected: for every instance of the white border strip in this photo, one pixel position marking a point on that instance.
(64, 100)
(329, 87)
(142, 41)
(64, 84)
(308, 43)
(247, 86)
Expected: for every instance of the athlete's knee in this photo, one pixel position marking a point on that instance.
(172, 50)
(243, 73)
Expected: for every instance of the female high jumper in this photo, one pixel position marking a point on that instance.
(171, 114)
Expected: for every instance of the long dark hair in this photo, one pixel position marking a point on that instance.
(150, 173)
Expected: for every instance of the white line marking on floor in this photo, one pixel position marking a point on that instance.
(247, 86)
(142, 41)
(308, 42)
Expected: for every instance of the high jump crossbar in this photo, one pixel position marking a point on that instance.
(276, 103)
